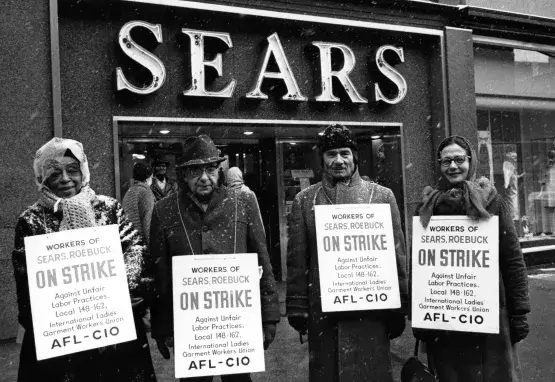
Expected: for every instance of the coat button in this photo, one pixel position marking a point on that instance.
(204, 229)
(206, 251)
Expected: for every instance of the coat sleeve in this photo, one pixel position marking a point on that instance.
(19, 262)
(297, 262)
(137, 261)
(146, 206)
(400, 253)
(257, 241)
(161, 313)
(512, 266)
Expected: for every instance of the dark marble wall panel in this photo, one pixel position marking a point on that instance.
(26, 123)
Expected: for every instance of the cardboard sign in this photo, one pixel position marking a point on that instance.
(217, 315)
(78, 289)
(455, 274)
(356, 256)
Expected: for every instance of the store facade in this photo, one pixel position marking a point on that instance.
(262, 84)
(133, 79)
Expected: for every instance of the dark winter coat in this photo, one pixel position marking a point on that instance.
(138, 204)
(129, 361)
(462, 356)
(346, 346)
(231, 224)
(170, 189)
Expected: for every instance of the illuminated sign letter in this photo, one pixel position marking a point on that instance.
(342, 75)
(142, 56)
(198, 64)
(388, 71)
(285, 73)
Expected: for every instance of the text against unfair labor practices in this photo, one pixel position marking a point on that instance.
(217, 315)
(356, 257)
(455, 274)
(78, 289)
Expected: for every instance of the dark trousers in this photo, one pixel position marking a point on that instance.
(225, 378)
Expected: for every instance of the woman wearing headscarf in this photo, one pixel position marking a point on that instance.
(462, 356)
(67, 202)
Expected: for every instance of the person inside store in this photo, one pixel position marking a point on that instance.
(139, 200)
(205, 218)
(510, 178)
(463, 356)
(67, 202)
(162, 185)
(366, 334)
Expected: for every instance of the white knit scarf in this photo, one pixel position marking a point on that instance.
(77, 211)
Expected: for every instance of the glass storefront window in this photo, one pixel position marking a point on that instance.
(277, 162)
(515, 93)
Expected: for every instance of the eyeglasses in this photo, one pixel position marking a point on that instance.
(459, 159)
(58, 173)
(198, 171)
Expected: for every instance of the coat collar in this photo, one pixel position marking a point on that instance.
(328, 181)
(189, 199)
(332, 188)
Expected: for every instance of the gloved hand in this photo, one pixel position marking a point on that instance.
(519, 328)
(395, 324)
(269, 331)
(426, 335)
(299, 323)
(163, 345)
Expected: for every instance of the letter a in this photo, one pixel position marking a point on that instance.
(285, 73)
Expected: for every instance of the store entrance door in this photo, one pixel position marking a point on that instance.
(257, 162)
(298, 167)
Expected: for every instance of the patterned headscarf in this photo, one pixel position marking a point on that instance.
(49, 155)
(472, 195)
(77, 210)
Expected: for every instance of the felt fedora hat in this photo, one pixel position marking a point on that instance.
(160, 160)
(200, 150)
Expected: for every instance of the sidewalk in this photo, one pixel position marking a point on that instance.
(286, 359)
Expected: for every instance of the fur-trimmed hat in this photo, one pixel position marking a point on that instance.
(337, 136)
(200, 151)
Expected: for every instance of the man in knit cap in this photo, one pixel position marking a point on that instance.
(139, 200)
(343, 346)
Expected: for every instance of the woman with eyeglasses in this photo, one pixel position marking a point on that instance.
(463, 356)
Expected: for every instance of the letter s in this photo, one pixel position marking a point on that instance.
(393, 75)
(142, 56)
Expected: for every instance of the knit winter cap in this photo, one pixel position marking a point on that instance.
(337, 136)
(48, 157)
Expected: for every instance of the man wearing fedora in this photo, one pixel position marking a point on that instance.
(205, 218)
(162, 185)
(343, 346)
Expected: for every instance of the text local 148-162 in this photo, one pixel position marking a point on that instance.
(217, 315)
(455, 274)
(356, 253)
(78, 289)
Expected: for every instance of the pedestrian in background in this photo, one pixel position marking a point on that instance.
(204, 218)
(162, 184)
(462, 356)
(234, 179)
(343, 346)
(67, 202)
(139, 200)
